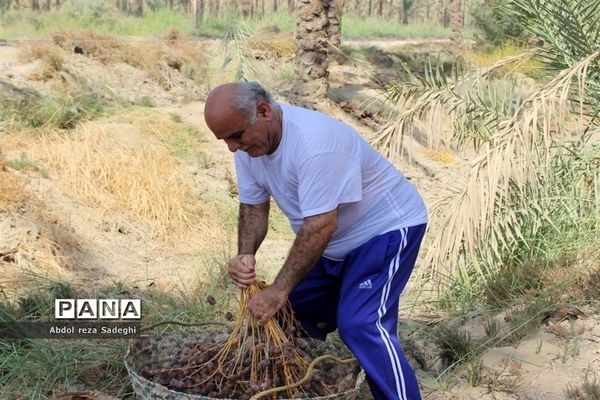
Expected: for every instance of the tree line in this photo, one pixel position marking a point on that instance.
(404, 11)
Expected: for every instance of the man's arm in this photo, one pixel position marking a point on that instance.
(253, 224)
(310, 242)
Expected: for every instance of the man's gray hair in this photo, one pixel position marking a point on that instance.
(248, 94)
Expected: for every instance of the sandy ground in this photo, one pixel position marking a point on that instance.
(96, 248)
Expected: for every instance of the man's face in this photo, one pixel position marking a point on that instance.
(239, 133)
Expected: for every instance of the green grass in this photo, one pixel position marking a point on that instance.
(528, 318)
(27, 24)
(41, 368)
(455, 345)
(403, 61)
(589, 389)
(554, 240)
(145, 101)
(100, 17)
(375, 28)
(532, 67)
(177, 118)
(65, 111)
(513, 282)
(23, 163)
(33, 369)
(285, 22)
(184, 143)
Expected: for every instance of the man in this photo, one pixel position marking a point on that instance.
(358, 224)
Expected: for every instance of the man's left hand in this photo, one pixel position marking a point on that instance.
(264, 305)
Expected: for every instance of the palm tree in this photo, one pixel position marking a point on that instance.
(406, 6)
(455, 11)
(311, 63)
(536, 175)
(334, 30)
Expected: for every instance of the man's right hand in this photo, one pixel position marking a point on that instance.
(241, 270)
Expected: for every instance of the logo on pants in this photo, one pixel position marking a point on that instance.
(366, 285)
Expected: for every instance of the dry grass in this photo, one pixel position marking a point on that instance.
(137, 177)
(40, 50)
(488, 58)
(589, 389)
(13, 191)
(26, 253)
(17, 140)
(157, 125)
(183, 140)
(443, 156)
(109, 49)
(274, 44)
(32, 259)
(157, 58)
(52, 59)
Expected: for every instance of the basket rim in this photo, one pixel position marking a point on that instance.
(134, 375)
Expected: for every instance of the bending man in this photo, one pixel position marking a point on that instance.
(358, 224)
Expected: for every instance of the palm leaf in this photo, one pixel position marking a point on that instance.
(474, 102)
(577, 36)
(238, 52)
(515, 165)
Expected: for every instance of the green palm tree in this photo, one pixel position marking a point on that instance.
(536, 175)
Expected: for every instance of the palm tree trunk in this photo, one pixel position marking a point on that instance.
(334, 30)
(246, 8)
(139, 8)
(124, 6)
(455, 11)
(311, 64)
(198, 13)
(405, 6)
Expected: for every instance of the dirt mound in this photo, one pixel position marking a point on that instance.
(131, 70)
(30, 245)
(87, 201)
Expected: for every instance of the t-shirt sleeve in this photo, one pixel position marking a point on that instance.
(250, 191)
(327, 180)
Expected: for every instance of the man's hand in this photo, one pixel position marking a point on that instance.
(241, 270)
(264, 305)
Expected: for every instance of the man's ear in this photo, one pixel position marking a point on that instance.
(264, 110)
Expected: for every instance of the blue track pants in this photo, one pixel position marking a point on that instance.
(359, 295)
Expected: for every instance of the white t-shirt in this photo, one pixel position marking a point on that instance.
(322, 163)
